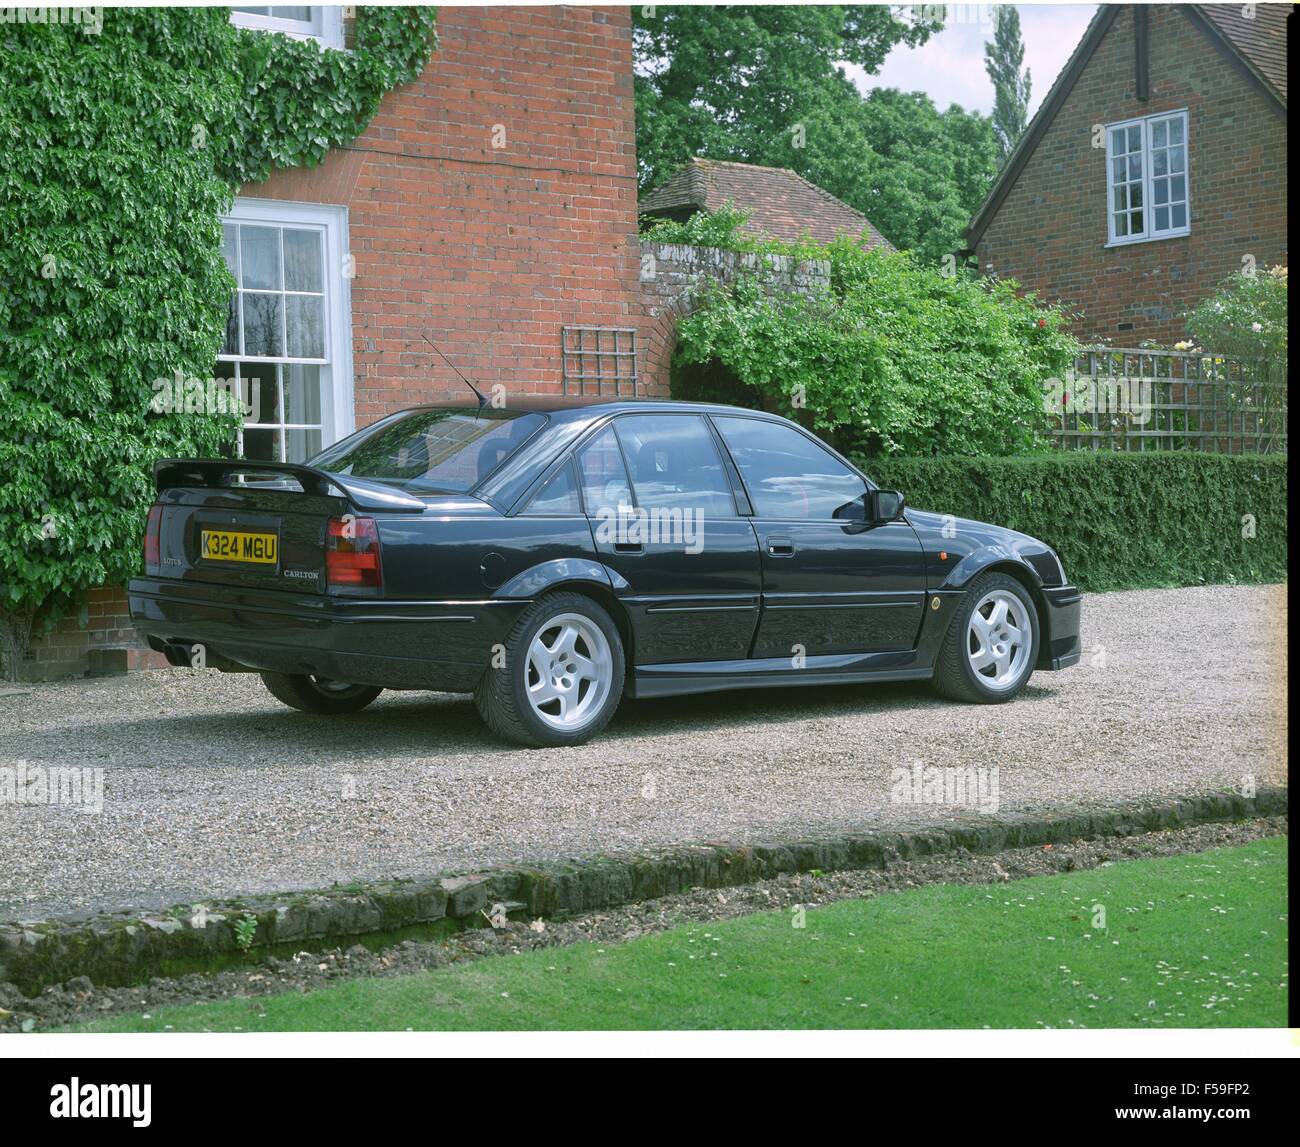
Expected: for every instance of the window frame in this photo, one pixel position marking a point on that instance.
(325, 25)
(568, 464)
(754, 512)
(725, 461)
(1147, 124)
(338, 410)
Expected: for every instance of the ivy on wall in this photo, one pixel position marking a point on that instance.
(120, 148)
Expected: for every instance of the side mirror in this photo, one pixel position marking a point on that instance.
(884, 505)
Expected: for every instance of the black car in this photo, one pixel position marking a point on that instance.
(553, 560)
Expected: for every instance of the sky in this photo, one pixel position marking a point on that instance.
(949, 68)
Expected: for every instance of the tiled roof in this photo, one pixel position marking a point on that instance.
(781, 203)
(1259, 39)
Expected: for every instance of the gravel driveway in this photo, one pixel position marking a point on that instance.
(212, 788)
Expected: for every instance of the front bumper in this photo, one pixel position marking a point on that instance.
(414, 645)
(1060, 647)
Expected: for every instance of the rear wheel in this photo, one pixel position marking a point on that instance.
(562, 678)
(319, 694)
(992, 645)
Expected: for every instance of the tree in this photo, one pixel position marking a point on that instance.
(741, 79)
(764, 85)
(1003, 59)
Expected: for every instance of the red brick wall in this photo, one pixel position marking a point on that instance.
(490, 249)
(1050, 232)
(70, 650)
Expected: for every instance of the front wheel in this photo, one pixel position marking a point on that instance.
(561, 678)
(319, 694)
(992, 645)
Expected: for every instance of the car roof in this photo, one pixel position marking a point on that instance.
(569, 407)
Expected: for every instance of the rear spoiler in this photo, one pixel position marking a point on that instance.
(170, 473)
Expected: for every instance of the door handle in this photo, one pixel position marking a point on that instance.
(780, 547)
(629, 548)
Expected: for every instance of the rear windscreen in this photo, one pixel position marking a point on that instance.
(448, 450)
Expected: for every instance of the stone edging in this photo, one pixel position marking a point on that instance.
(116, 949)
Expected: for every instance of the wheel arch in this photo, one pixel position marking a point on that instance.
(604, 597)
(1028, 577)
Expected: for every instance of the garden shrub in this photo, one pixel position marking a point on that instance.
(1119, 520)
(119, 152)
(895, 358)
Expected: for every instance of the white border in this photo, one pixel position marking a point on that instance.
(1113, 1043)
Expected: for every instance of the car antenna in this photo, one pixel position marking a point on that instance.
(482, 402)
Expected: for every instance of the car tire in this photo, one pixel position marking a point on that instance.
(561, 678)
(989, 661)
(319, 695)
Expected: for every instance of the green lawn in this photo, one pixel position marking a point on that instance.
(1189, 941)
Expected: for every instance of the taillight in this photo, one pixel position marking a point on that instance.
(152, 561)
(352, 553)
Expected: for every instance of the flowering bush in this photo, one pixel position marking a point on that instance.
(1245, 317)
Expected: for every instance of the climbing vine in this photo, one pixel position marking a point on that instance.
(121, 146)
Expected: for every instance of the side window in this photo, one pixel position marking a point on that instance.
(604, 476)
(675, 464)
(786, 473)
(558, 498)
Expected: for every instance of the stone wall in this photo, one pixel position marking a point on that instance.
(673, 278)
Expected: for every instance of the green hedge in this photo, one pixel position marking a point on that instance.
(1119, 521)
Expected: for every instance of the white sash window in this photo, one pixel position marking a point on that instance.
(319, 22)
(288, 337)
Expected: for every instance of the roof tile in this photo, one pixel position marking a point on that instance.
(1259, 38)
(781, 203)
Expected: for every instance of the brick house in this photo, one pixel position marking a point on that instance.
(781, 203)
(491, 204)
(1155, 168)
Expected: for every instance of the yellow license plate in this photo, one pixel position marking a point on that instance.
(229, 546)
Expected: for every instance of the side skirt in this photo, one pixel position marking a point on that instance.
(715, 676)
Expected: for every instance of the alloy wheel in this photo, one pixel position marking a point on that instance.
(999, 639)
(569, 673)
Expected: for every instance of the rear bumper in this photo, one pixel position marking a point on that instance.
(1060, 647)
(414, 645)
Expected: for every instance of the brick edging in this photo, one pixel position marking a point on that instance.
(116, 949)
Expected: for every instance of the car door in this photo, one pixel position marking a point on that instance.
(830, 585)
(663, 517)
